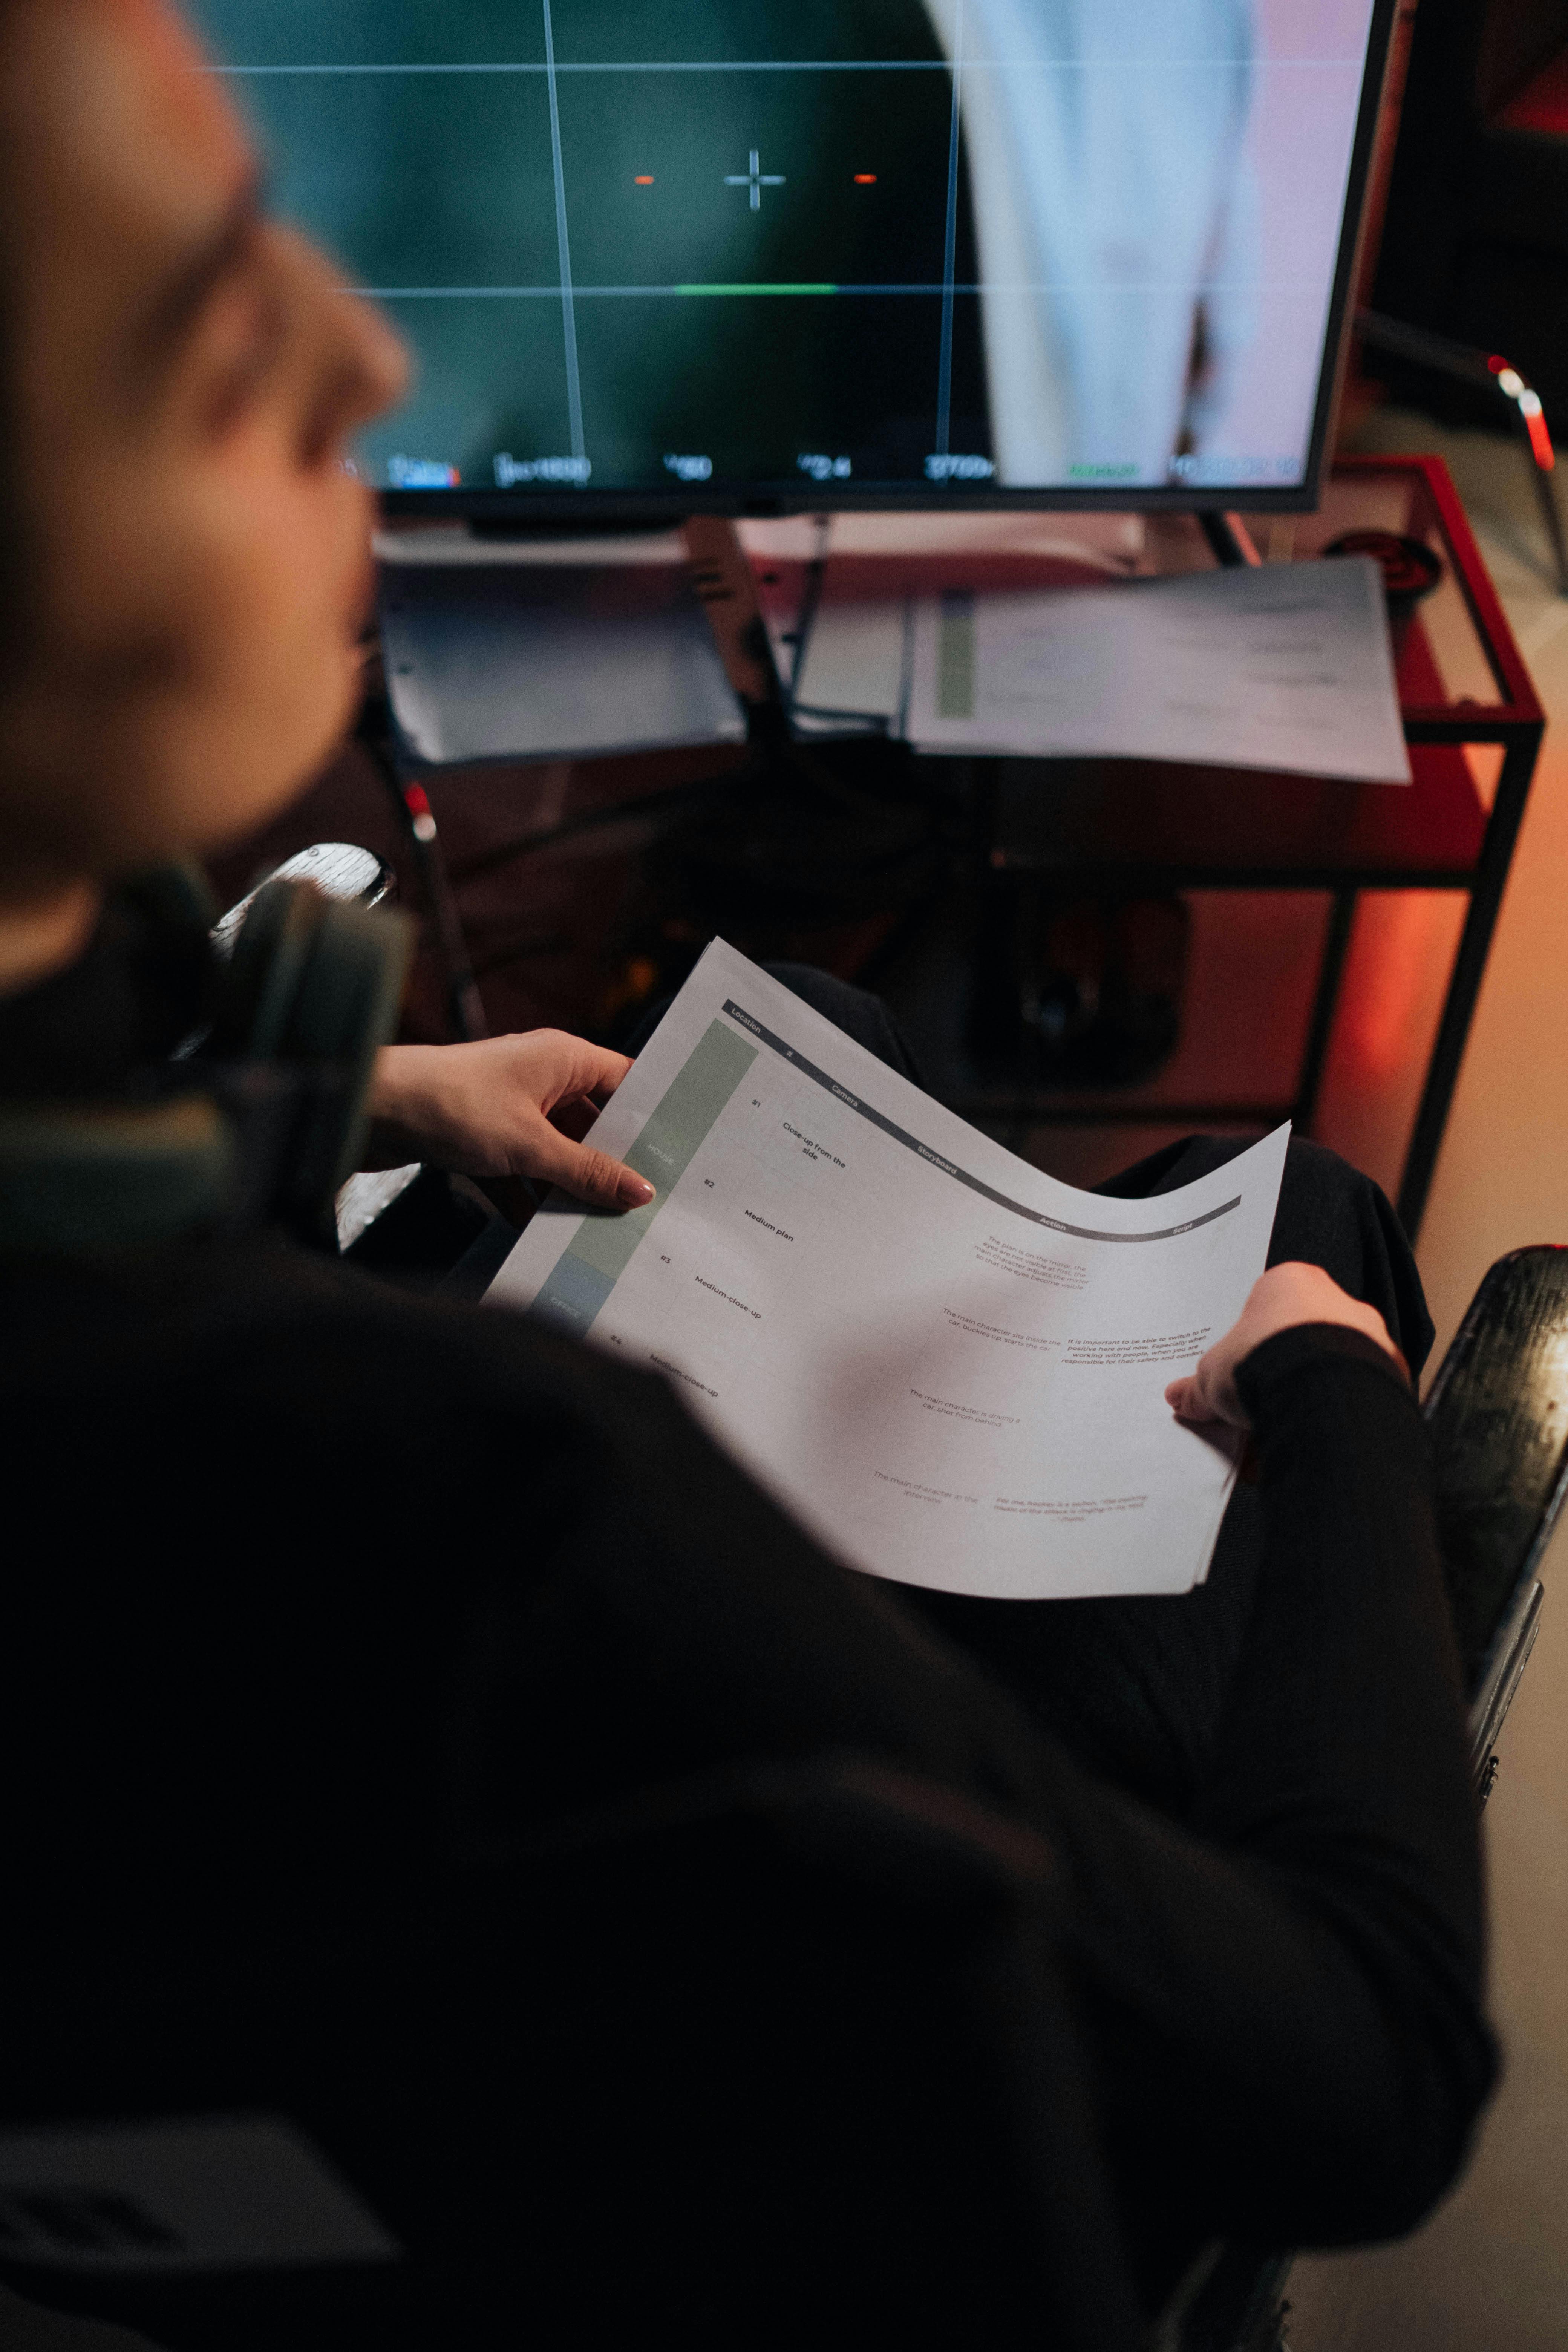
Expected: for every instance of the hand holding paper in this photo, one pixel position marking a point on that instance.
(949, 1366)
(1285, 1296)
(505, 1107)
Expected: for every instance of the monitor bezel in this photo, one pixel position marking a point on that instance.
(658, 509)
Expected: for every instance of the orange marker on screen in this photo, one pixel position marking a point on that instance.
(643, 180)
(865, 179)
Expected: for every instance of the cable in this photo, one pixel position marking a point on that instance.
(465, 1006)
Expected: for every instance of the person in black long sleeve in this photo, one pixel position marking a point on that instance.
(379, 1527)
(336, 1605)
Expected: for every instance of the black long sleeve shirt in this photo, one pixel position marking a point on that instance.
(307, 1577)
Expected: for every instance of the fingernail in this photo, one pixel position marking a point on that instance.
(635, 1191)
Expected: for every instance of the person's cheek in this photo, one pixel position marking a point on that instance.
(303, 545)
(271, 676)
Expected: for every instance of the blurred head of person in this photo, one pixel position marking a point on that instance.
(184, 556)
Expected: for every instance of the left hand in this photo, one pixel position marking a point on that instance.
(504, 1106)
(1286, 1295)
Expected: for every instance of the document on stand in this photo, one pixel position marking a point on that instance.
(948, 1366)
(1283, 666)
(535, 658)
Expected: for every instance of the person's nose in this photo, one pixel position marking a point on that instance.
(359, 364)
(378, 361)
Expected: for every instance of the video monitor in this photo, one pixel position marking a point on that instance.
(756, 254)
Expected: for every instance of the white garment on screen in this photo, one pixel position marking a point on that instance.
(1105, 146)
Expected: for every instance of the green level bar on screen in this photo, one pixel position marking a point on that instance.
(766, 286)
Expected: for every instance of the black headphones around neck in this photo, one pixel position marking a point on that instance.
(256, 1121)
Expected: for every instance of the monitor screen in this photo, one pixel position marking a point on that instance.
(773, 252)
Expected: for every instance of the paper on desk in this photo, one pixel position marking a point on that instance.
(550, 659)
(852, 670)
(1277, 666)
(852, 666)
(950, 1367)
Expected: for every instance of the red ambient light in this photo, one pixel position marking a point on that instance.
(1540, 440)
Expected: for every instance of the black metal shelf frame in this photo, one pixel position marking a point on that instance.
(1514, 723)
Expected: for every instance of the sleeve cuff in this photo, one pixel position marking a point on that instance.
(1275, 1361)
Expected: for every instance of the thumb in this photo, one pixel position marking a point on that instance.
(1208, 1394)
(590, 1175)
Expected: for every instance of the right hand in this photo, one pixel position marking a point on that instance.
(1287, 1294)
(503, 1107)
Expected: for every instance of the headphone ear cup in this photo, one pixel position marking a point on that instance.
(345, 1009)
(315, 986)
(271, 952)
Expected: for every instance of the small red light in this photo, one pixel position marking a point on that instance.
(643, 180)
(1496, 364)
(417, 799)
(1541, 442)
(865, 179)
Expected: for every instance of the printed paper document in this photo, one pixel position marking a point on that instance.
(950, 1367)
(1284, 666)
(552, 658)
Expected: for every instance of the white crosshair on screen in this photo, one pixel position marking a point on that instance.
(756, 179)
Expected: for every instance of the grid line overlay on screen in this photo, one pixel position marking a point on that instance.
(766, 64)
(551, 68)
(953, 409)
(568, 313)
(766, 286)
(950, 246)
